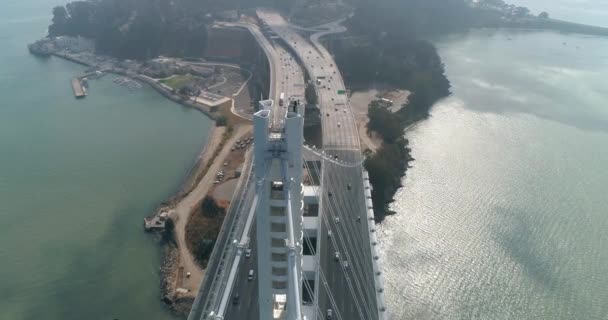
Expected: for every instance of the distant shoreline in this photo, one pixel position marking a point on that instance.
(561, 26)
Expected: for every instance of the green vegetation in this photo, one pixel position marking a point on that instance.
(394, 51)
(386, 168)
(210, 208)
(136, 29)
(168, 234)
(388, 165)
(314, 13)
(202, 229)
(144, 29)
(221, 121)
(384, 122)
(178, 81)
(204, 250)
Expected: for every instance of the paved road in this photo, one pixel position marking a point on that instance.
(291, 77)
(247, 305)
(289, 80)
(287, 77)
(352, 288)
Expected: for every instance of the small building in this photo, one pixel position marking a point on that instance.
(213, 101)
(157, 222)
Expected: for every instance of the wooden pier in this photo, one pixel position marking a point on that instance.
(79, 90)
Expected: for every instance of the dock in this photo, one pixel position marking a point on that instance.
(156, 222)
(79, 90)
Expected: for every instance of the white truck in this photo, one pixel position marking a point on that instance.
(282, 99)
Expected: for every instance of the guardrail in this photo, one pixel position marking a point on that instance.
(221, 278)
(207, 296)
(378, 278)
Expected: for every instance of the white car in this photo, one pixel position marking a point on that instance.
(250, 276)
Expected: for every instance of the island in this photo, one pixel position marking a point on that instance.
(185, 50)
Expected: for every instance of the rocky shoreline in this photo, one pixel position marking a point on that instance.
(169, 263)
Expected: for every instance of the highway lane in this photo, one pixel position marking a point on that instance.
(247, 305)
(209, 295)
(340, 131)
(291, 82)
(269, 51)
(223, 251)
(355, 284)
(289, 79)
(347, 284)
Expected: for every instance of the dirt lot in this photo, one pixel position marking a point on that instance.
(188, 206)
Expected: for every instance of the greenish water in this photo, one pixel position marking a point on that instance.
(504, 214)
(76, 179)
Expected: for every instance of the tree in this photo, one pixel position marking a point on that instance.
(386, 168)
(204, 250)
(521, 12)
(169, 232)
(81, 18)
(184, 90)
(210, 208)
(544, 15)
(221, 121)
(60, 20)
(383, 121)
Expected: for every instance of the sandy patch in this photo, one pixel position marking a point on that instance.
(187, 204)
(224, 191)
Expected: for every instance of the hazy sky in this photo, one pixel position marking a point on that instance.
(593, 12)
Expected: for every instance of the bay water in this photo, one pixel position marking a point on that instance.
(77, 178)
(504, 214)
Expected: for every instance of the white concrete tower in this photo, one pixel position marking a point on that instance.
(278, 171)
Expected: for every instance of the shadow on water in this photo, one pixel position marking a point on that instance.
(573, 116)
(516, 237)
(533, 74)
(545, 266)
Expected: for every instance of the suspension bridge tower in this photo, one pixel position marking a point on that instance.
(278, 172)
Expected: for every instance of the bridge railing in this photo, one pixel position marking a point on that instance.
(207, 298)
